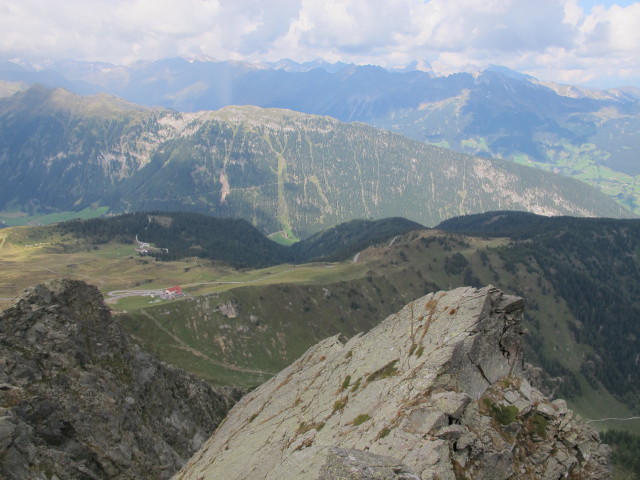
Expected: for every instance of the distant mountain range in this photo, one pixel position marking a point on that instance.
(590, 135)
(281, 170)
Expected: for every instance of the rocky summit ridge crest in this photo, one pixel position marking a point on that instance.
(78, 400)
(436, 391)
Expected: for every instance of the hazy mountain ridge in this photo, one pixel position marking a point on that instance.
(588, 134)
(281, 170)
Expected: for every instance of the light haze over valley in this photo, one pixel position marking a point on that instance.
(389, 239)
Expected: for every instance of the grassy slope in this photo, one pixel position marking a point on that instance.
(586, 162)
(241, 333)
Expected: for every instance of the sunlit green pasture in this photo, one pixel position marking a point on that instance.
(30, 256)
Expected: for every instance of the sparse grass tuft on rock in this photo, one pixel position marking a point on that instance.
(360, 419)
(537, 425)
(387, 371)
(340, 404)
(504, 415)
(356, 385)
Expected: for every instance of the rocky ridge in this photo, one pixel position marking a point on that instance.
(436, 391)
(79, 401)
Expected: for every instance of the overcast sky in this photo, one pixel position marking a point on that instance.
(587, 42)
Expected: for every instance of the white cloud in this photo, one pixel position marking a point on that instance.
(551, 39)
(613, 31)
(497, 25)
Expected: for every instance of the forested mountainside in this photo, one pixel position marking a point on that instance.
(278, 169)
(586, 134)
(580, 277)
(177, 235)
(594, 265)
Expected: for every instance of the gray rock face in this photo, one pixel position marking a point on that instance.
(358, 465)
(434, 392)
(78, 401)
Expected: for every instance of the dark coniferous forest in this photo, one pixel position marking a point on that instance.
(594, 265)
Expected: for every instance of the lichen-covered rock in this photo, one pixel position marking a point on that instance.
(78, 401)
(435, 390)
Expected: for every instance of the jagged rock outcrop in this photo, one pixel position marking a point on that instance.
(79, 401)
(434, 392)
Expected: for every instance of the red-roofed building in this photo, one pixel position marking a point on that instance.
(173, 292)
